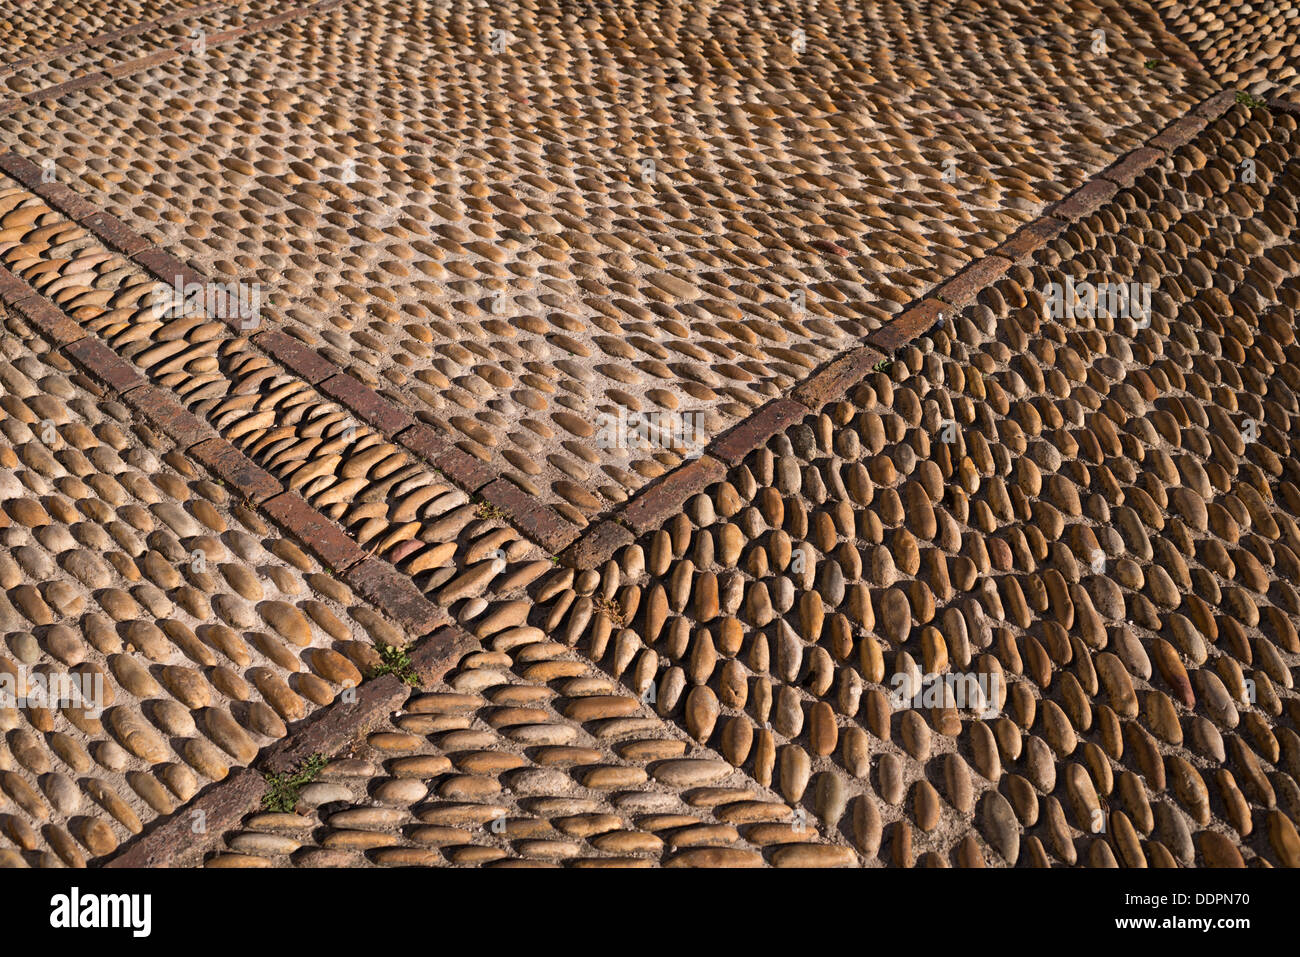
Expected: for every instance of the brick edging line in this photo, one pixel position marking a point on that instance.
(539, 523)
(667, 495)
(437, 642)
(171, 841)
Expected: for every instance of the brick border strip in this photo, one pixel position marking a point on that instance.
(170, 841)
(127, 67)
(668, 495)
(391, 591)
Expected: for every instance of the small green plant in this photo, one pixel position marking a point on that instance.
(882, 365)
(1251, 102)
(282, 787)
(489, 511)
(1152, 64)
(555, 560)
(395, 661)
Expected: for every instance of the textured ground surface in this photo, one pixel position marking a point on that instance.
(613, 211)
(1098, 533)
(651, 207)
(1255, 46)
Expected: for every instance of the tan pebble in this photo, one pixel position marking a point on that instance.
(796, 769)
(814, 855)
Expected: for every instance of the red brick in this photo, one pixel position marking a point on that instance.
(1215, 106)
(142, 63)
(236, 469)
(1179, 133)
(366, 404)
(113, 232)
(1132, 165)
(225, 36)
(467, 472)
(12, 289)
(167, 268)
(907, 325)
(1030, 238)
(739, 440)
(172, 842)
(835, 378)
(962, 288)
(1084, 200)
(539, 522)
(335, 728)
(170, 270)
(320, 536)
(597, 545)
(655, 504)
(296, 356)
(438, 653)
(21, 169)
(62, 198)
(167, 416)
(52, 321)
(104, 365)
(329, 731)
(396, 596)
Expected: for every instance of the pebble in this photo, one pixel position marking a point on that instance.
(999, 827)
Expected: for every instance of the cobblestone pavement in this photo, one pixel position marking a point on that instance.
(1252, 45)
(849, 437)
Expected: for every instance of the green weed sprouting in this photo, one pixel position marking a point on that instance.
(282, 787)
(395, 661)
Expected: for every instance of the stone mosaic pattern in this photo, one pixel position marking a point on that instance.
(40, 28)
(105, 43)
(1253, 45)
(501, 266)
(656, 207)
(121, 560)
(395, 506)
(1100, 534)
